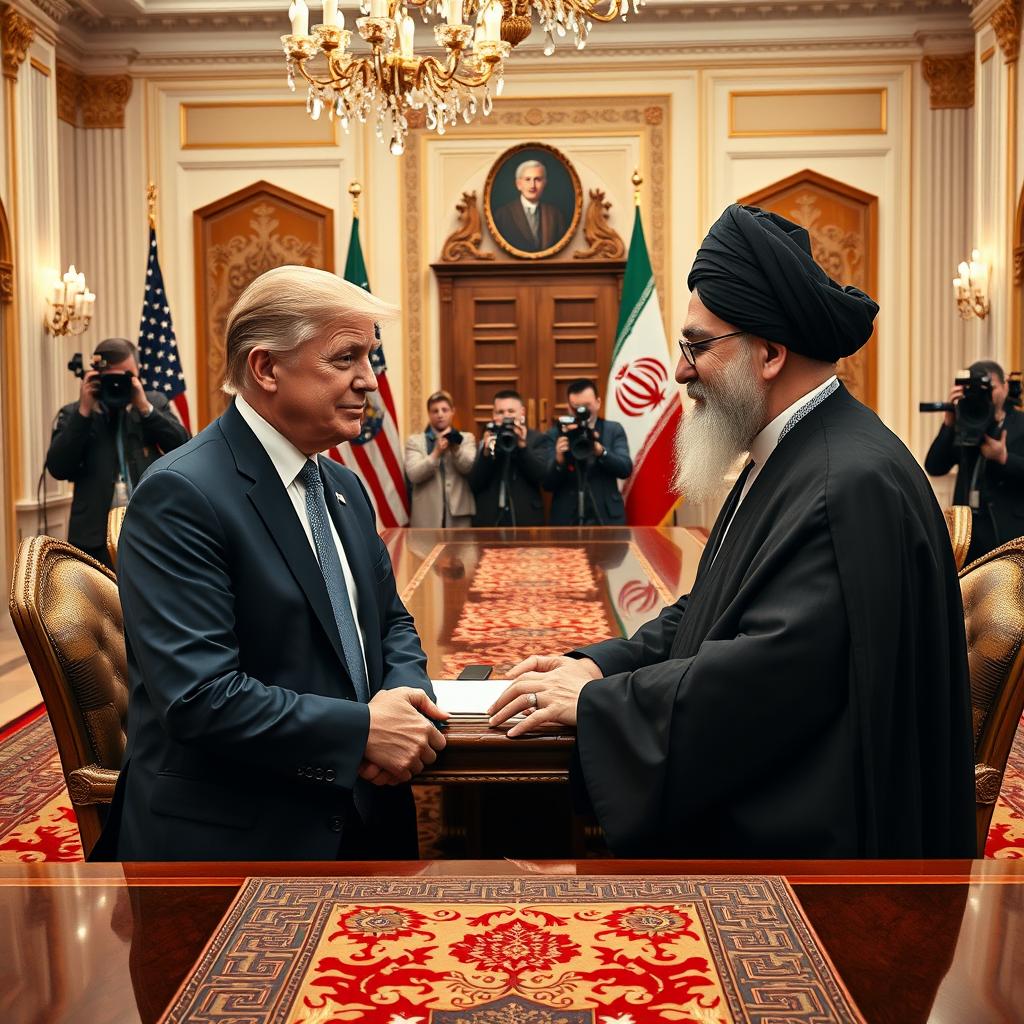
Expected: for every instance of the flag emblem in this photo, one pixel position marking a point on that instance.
(640, 385)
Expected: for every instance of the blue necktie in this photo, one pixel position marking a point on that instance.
(330, 566)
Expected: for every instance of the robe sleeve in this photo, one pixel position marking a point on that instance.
(649, 645)
(664, 743)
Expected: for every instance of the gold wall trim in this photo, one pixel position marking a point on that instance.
(646, 118)
(40, 66)
(187, 139)
(11, 362)
(880, 128)
(987, 55)
(103, 99)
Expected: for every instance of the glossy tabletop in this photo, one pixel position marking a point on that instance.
(938, 941)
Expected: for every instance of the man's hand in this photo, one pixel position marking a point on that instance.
(440, 446)
(561, 449)
(598, 447)
(554, 681)
(487, 444)
(401, 740)
(139, 399)
(88, 396)
(995, 449)
(520, 429)
(955, 395)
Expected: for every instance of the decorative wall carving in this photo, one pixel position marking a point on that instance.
(6, 281)
(103, 99)
(603, 241)
(842, 224)
(69, 84)
(1005, 22)
(464, 241)
(237, 238)
(950, 81)
(16, 35)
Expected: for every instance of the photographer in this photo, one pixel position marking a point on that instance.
(591, 456)
(437, 463)
(990, 478)
(509, 468)
(106, 440)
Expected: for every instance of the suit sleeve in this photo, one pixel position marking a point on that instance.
(650, 740)
(465, 454)
(176, 591)
(537, 457)
(68, 444)
(616, 461)
(555, 476)
(942, 455)
(481, 472)
(419, 466)
(161, 427)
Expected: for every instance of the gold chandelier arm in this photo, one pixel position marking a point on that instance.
(615, 8)
(440, 75)
(340, 80)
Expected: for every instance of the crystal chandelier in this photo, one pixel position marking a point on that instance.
(391, 78)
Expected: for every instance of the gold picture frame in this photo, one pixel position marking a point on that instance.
(558, 216)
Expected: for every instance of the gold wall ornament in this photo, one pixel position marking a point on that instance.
(464, 241)
(970, 288)
(16, 35)
(69, 304)
(1018, 265)
(950, 81)
(103, 100)
(1005, 22)
(69, 85)
(603, 241)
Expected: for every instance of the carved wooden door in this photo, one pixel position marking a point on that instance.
(237, 238)
(843, 224)
(530, 328)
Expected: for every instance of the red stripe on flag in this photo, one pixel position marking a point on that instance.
(181, 404)
(649, 496)
(397, 476)
(369, 477)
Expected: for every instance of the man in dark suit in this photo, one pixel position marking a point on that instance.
(509, 468)
(527, 223)
(586, 490)
(105, 445)
(990, 478)
(279, 701)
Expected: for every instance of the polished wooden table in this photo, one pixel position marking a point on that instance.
(938, 941)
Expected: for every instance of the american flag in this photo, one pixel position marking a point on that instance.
(374, 455)
(160, 366)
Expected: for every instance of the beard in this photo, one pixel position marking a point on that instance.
(719, 428)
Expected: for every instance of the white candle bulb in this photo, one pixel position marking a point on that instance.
(71, 274)
(330, 12)
(379, 9)
(406, 32)
(964, 270)
(298, 12)
(492, 22)
(454, 12)
(57, 294)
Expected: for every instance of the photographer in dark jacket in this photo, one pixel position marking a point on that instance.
(990, 478)
(104, 445)
(509, 468)
(585, 477)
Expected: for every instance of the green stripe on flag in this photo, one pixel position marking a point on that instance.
(636, 286)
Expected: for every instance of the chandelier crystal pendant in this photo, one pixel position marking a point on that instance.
(390, 79)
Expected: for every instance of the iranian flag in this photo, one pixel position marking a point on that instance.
(642, 394)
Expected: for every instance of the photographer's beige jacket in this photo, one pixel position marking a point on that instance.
(425, 476)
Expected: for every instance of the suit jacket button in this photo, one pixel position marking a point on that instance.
(329, 775)
(336, 824)
(319, 773)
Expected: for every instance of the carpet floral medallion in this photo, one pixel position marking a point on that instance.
(691, 950)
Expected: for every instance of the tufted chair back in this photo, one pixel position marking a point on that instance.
(67, 613)
(958, 522)
(993, 595)
(115, 520)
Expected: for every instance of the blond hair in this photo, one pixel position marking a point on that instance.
(440, 396)
(288, 306)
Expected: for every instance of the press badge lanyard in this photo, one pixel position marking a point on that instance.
(124, 477)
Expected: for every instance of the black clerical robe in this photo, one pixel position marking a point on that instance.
(809, 697)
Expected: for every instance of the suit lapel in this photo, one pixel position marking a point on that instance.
(278, 514)
(523, 222)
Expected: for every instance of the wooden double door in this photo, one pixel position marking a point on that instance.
(532, 328)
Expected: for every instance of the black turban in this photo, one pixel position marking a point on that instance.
(755, 271)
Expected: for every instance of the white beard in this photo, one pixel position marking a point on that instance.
(716, 431)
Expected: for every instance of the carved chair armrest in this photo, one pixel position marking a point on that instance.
(986, 784)
(92, 785)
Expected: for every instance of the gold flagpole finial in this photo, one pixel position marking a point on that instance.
(151, 203)
(355, 190)
(637, 182)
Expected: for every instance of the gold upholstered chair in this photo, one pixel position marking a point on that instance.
(115, 520)
(67, 613)
(958, 522)
(993, 596)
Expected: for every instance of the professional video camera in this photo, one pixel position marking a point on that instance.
(581, 437)
(115, 388)
(975, 413)
(505, 439)
(454, 437)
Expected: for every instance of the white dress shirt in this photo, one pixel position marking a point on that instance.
(288, 461)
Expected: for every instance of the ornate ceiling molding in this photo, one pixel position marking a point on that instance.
(950, 80)
(1005, 22)
(103, 99)
(16, 35)
(55, 10)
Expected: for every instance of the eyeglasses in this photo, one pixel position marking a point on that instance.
(692, 349)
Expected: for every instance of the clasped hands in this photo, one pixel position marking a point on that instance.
(402, 739)
(546, 690)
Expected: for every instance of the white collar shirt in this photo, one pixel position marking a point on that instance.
(288, 462)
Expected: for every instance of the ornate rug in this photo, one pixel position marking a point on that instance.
(36, 818)
(1006, 830)
(683, 950)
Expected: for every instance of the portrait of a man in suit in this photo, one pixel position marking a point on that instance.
(532, 202)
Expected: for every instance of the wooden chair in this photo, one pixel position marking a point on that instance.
(958, 522)
(993, 594)
(115, 520)
(67, 613)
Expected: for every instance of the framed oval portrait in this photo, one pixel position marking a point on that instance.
(532, 201)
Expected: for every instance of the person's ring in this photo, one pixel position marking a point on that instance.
(532, 698)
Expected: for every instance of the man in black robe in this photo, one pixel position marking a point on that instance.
(809, 697)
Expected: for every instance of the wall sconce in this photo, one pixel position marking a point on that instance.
(68, 305)
(971, 288)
